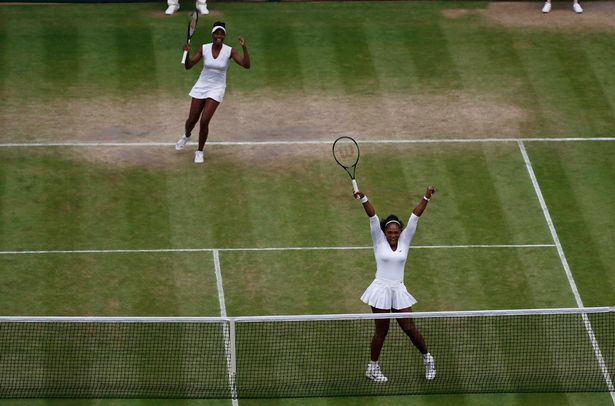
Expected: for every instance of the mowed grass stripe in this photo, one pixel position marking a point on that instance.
(577, 185)
(601, 60)
(3, 60)
(135, 60)
(59, 203)
(587, 89)
(136, 284)
(281, 66)
(21, 33)
(277, 189)
(21, 195)
(393, 66)
(571, 95)
(428, 48)
(503, 54)
(397, 175)
(352, 54)
(62, 48)
(481, 187)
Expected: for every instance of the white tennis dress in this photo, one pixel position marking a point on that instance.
(212, 81)
(388, 290)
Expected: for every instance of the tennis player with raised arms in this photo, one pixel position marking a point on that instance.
(209, 90)
(387, 293)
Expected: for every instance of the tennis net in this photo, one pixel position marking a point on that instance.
(536, 350)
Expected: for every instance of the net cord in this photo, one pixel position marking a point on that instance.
(307, 317)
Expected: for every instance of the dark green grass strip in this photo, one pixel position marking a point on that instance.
(61, 44)
(594, 106)
(136, 63)
(428, 49)
(3, 61)
(352, 54)
(282, 67)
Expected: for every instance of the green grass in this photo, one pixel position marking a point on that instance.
(562, 81)
(268, 196)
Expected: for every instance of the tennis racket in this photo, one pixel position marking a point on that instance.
(194, 18)
(346, 154)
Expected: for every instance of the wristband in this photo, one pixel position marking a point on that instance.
(363, 199)
(426, 198)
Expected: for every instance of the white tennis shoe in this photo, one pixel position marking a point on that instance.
(374, 373)
(202, 8)
(181, 143)
(199, 157)
(577, 8)
(171, 9)
(430, 366)
(546, 8)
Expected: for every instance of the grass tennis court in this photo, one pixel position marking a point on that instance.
(373, 70)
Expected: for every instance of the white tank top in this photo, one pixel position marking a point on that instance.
(213, 75)
(390, 264)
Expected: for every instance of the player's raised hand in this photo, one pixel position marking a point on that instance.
(242, 41)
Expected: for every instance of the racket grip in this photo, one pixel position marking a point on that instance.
(355, 187)
(184, 57)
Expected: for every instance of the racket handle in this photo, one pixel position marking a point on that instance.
(184, 57)
(355, 187)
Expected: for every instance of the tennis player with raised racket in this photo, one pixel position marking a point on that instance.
(387, 293)
(209, 90)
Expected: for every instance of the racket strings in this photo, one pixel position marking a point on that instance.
(193, 21)
(346, 153)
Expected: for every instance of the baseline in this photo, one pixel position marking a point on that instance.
(304, 142)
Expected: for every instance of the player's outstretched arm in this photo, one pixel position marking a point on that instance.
(420, 208)
(367, 205)
(241, 60)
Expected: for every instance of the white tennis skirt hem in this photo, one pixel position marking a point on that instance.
(387, 295)
(205, 93)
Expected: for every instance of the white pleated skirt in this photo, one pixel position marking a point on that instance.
(203, 92)
(387, 295)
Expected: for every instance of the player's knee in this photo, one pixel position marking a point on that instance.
(381, 334)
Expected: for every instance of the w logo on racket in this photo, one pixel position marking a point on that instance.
(346, 154)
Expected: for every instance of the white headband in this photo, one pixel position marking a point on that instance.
(218, 27)
(392, 221)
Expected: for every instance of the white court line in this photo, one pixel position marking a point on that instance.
(571, 282)
(302, 142)
(229, 349)
(214, 250)
(219, 284)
